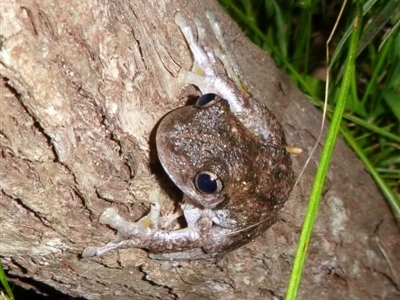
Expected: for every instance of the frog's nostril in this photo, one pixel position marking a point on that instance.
(208, 182)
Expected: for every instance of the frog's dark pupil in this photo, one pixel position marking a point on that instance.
(205, 99)
(206, 183)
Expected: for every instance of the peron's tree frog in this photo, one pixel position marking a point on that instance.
(226, 153)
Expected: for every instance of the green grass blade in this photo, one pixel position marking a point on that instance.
(381, 131)
(280, 25)
(367, 6)
(393, 200)
(380, 64)
(3, 280)
(376, 24)
(391, 31)
(324, 164)
(392, 99)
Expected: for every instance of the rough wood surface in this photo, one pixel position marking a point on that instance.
(83, 85)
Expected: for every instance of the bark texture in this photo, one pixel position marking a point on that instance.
(83, 85)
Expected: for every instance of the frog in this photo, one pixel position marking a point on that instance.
(226, 153)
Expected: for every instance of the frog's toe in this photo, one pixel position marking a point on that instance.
(201, 31)
(109, 217)
(180, 20)
(89, 252)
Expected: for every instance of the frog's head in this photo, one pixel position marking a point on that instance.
(206, 151)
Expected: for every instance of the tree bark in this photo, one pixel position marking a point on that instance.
(83, 85)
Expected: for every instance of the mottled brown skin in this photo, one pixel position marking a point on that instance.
(257, 177)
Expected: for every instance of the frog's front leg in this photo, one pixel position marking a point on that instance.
(204, 72)
(228, 85)
(147, 233)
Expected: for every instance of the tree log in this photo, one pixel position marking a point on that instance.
(83, 85)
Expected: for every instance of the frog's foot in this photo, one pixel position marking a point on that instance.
(129, 235)
(147, 233)
(204, 60)
(204, 72)
(230, 65)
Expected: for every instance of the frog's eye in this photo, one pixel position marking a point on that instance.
(208, 182)
(207, 100)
